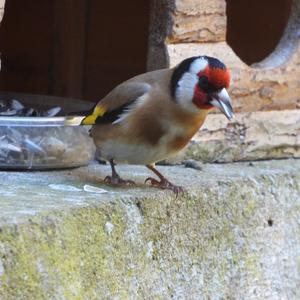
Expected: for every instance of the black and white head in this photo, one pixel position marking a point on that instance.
(201, 82)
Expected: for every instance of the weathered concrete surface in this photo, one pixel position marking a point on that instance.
(236, 235)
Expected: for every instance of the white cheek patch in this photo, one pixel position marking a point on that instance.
(186, 85)
(185, 91)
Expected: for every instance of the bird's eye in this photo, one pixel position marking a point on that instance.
(203, 83)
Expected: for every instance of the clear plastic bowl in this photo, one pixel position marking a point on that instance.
(44, 142)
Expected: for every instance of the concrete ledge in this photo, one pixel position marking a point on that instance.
(235, 235)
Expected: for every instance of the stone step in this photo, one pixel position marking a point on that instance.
(234, 235)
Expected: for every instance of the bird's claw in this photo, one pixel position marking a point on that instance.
(165, 184)
(117, 180)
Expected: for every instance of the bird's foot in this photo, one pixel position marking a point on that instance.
(165, 184)
(117, 180)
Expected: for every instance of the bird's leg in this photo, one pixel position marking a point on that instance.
(163, 183)
(115, 178)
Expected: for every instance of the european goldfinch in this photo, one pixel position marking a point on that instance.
(154, 115)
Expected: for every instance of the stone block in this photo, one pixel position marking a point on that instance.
(195, 21)
(235, 235)
(249, 136)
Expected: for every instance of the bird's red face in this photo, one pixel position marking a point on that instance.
(210, 82)
(200, 83)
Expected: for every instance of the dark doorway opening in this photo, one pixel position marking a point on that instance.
(72, 48)
(254, 27)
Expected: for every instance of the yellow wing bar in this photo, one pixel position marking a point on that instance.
(99, 111)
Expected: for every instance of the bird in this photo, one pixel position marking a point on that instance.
(152, 116)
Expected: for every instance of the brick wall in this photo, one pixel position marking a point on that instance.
(198, 27)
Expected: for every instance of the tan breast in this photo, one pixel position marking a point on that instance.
(162, 123)
(190, 126)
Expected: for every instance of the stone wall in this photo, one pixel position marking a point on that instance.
(250, 136)
(199, 27)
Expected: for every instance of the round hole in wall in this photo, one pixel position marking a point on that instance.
(255, 27)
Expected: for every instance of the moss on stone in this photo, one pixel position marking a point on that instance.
(214, 242)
